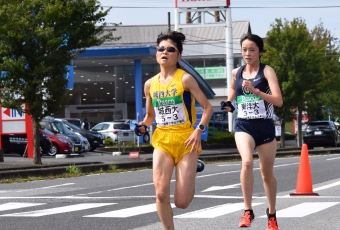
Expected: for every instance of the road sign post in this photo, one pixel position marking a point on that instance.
(15, 122)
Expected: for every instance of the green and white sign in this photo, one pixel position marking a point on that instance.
(211, 73)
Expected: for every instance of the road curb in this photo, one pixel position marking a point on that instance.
(51, 170)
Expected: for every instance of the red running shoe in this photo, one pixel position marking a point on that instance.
(246, 219)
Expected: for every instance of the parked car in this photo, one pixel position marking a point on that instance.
(76, 121)
(95, 138)
(61, 144)
(85, 144)
(117, 131)
(16, 143)
(58, 127)
(146, 136)
(321, 134)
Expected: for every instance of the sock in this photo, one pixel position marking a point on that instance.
(249, 210)
(270, 215)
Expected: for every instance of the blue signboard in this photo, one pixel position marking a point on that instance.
(199, 112)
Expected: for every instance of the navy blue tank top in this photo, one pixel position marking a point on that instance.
(250, 106)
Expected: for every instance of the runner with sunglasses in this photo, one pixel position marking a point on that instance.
(170, 99)
(256, 90)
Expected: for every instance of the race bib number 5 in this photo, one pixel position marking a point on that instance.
(169, 110)
(251, 107)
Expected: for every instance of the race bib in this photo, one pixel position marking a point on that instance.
(169, 110)
(251, 107)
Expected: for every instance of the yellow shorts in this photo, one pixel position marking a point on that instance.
(172, 143)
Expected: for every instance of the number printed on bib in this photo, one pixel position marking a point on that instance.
(251, 107)
(169, 110)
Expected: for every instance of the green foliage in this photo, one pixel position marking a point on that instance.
(302, 64)
(218, 137)
(109, 142)
(73, 169)
(38, 40)
(112, 167)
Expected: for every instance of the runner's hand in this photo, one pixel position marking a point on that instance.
(194, 140)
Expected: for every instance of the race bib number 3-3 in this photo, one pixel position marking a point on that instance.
(251, 107)
(169, 110)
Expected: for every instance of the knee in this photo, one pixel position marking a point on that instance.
(247, 164)
(182, 203)
(162, 196)
(183, 200)
(268, 178)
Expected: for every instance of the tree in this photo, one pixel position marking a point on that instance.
(38, 40)
(298, 62)
(329, 95)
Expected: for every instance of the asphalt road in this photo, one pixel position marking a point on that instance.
(126, 200)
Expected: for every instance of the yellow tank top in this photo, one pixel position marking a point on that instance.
(174, 107)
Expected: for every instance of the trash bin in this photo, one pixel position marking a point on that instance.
(1, 155)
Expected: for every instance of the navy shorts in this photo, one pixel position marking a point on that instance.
(262, 130)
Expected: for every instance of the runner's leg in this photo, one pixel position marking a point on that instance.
(185, 180)
(245, 145)
(267, 153)
(163, 166)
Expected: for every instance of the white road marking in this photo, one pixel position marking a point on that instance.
(17, 205)
(327, 186)
(135, 186)
(128, 212)
(335, 158)
(303, 209)
(228, 165)
(215, 211)
(215, 188)
(82, 197)
(52, 211)
(31, 189)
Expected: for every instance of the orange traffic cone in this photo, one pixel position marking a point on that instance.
(304, 180)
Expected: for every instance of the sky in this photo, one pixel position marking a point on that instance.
(260, 13)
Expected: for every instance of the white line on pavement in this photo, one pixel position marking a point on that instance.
(51, 211)
(303, 209)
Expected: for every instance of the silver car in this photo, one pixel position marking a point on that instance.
(117, 131)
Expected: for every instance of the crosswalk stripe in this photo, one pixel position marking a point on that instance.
(215, 211)
(128, 212)
(51, 211)
(296, 211)
(16, 205)
(303, 209)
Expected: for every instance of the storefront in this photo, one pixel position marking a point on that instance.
(108, 80)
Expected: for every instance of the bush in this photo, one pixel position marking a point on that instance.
(221, 138)
(109, 142)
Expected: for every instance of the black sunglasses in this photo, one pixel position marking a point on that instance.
(170, 49)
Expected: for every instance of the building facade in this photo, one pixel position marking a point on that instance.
(105, 87)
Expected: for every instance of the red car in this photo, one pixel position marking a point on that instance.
(61, 144)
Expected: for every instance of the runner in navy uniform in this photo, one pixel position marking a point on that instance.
(256, 90)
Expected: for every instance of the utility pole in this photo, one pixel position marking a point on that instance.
(169, 24)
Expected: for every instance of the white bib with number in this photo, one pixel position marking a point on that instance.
(169, 110)
(251, 107)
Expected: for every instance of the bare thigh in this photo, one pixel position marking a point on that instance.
(245, 145)
(185, 178)
(163, 166)
(267, 154)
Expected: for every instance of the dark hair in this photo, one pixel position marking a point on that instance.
(254, 38)
(177, 37)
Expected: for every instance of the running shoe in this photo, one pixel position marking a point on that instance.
(200, 166)
(272, 222)
(246, 219)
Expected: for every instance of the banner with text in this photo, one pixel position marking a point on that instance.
(211, 73)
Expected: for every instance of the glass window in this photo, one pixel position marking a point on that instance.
(105, 126)
(121, 126)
